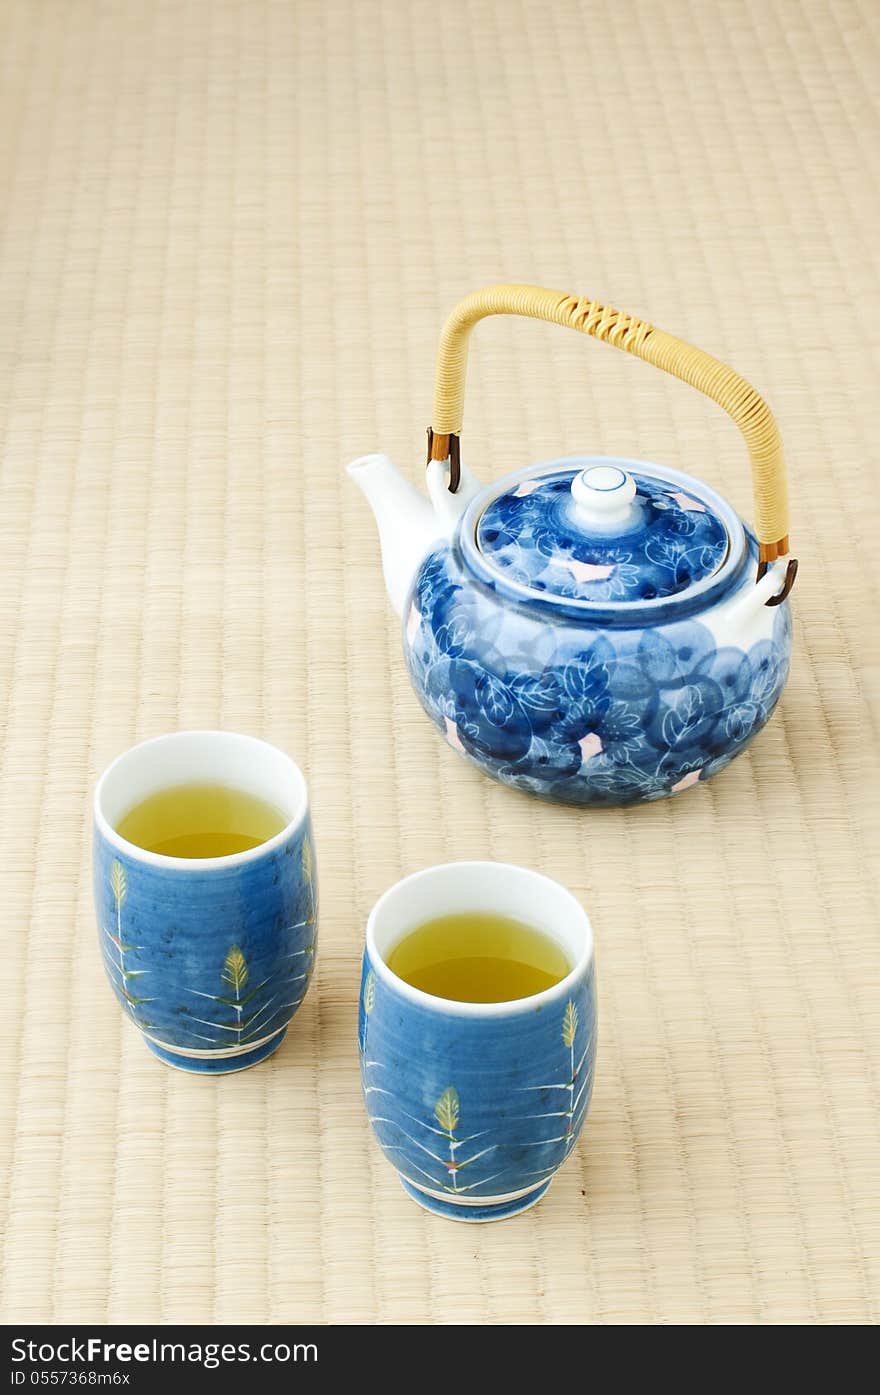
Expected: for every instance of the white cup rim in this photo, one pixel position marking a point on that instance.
(109, 834)
(450, 1006)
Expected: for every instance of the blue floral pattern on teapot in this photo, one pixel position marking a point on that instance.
(582, 711)
(533, 532)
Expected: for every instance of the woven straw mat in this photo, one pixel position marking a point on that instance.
(231, 232)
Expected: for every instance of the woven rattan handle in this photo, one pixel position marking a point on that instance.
(716, 380)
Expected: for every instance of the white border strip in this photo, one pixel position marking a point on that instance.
(477, 1200)
(220, 1053)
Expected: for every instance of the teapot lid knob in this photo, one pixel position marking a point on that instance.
(604, 499)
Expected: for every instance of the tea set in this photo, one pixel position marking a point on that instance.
(590, 630)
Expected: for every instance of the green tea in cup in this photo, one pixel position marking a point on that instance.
(200, 820)
(478, 957)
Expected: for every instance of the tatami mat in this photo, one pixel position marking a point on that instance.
(232, 230)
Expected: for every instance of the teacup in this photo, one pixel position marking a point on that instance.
(209, 958)
(477, 1105)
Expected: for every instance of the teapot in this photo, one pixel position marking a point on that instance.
(591, 630)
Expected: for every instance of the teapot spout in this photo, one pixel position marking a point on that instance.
(406, 521)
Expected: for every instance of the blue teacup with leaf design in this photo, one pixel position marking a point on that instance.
(477, 1105)
(210, 957)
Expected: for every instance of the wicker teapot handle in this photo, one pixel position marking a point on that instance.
(715, 379)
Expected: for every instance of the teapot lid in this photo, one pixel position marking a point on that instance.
(607, 532)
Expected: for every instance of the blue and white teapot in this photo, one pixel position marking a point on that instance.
(591, 630)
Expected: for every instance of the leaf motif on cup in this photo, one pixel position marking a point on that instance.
(446, 1110)
(569, 1024)
(117, 882)
(369, 991)
(235, 970)
(116, 951)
